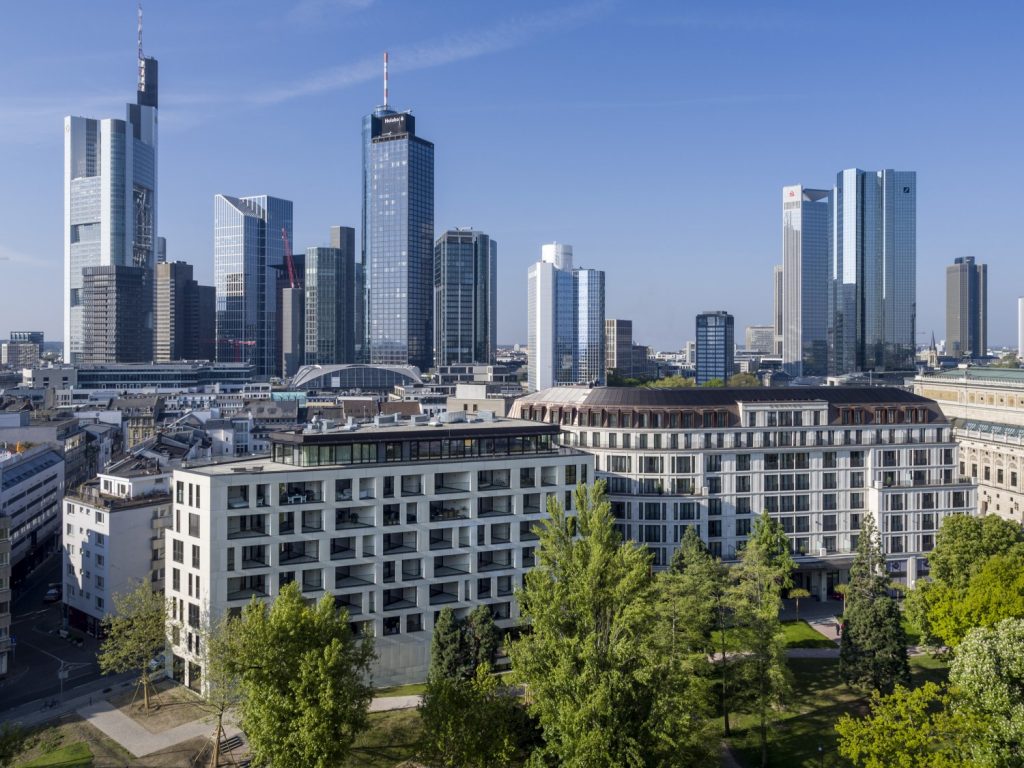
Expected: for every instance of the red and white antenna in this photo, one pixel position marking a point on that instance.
(385, 79)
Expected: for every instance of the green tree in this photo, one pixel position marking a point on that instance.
(987, 676)
(598, 680)
(469, 723)
(873, 652)
(713, 383)
(222, 685)
(796, 595)
(447, 651)
(134, 633)
(743, 380)
(671, 382)
(1009, 360)
(755, 597)
(964, 543)
(305, 681)
(481, 637)
(910, 728)
(13, 741)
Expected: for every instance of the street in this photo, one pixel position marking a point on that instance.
(38, 650)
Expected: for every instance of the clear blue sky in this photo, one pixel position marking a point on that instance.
(653, 136)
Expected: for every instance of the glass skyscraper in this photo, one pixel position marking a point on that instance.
(330, 300)
(110, 175)
(966, 308)
(873, 297)
(716, 344)
(398, 240)
(806, 214)
(566, 321)
(248, 252)
(465, 303)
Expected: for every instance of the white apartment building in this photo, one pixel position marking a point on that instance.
(986, 408)
(816, 458)
(113, 538)
(31, 486)
(395, 520)
(5, 592)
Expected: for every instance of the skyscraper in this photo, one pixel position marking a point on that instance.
(110, 183)
(778, 283)
(330, 300)
(966, 308)
(565, 321)
(398, 238)
(805, 267)
(465, 298)
(114, 297)
(760, 338)
(618, 340)
(184, 315)
(715, 346)
(873, 294)
(248, 249)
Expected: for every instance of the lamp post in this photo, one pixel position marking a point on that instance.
(821, 755)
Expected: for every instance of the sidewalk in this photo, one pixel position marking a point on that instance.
(391, 703)
(140, 742)
(33, 713)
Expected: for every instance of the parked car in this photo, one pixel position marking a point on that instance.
(52, 595)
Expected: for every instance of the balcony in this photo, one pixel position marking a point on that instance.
(254, 557)
(399, 599)
(353, 576)
(313, 580)
(298, 552)
(247, 526)
(412, 485)
(312, 521)
(527, 477)
(343, 548)
(441, 594)
(411, 570)
(360, 517)
(495, 506)
(493, 561)
(343, 490)
(351, 603)
(528, 532)
(441, 539)
(399, 543)
(444, 511)
(247, 587)
(493, 479)
(451, 482)
(300, 493)
(501, 533)
(505, 587)
(549, 477)
(238, 497)
(392, 514)
(531, 504)
(451, 565)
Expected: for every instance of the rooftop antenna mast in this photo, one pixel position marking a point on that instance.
(140, 32)
(385, 69)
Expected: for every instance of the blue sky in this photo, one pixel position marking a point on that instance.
(655, 137)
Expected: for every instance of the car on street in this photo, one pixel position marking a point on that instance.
(52, 595)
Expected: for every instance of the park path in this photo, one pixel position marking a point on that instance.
(391, 703)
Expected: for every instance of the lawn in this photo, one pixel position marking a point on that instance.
(392, 738)
(798, 634)
(77, 755)
(411, 689)
(819, 698)
(913, 636)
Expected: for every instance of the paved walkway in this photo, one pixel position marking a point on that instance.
(136, 739)
(390, 703)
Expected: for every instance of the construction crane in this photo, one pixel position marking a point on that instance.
(288, 260)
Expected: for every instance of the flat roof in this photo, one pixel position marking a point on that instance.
(710, 397)
(979, 373)
(404, 430)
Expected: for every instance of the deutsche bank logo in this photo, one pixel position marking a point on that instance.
(906, 190)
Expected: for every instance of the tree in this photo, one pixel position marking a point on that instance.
(797, 594)
(598, 678)
(481, 638)
(134, 633)
(305, 681)
(222, 685)
(743, 380)
(964, 543)
(1009, 360)
(755, 596)
(469, 723)
(713, 383)
(910, 728)
(987, 675)
(13, 741)
(447, 655)
(873, 652)
(671, 382)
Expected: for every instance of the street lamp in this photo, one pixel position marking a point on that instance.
(821, 755)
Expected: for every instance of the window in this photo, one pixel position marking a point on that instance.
(99, 603)
(99, 515)
(828, 480)
(193, 615)
(828, 501)
(180, 492)
(195, 556)
(176, 579)
(743, 462)
(193, 525)
(743, 505)
(743, 484)
(829, 543)
(714, 528)
(99, 539)
(856, 479)
(856, 500)
(177, 551)
(829, 459)
(856, 458)
(828, 522)
(743, 527)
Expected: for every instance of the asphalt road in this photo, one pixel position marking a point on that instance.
(39, 650)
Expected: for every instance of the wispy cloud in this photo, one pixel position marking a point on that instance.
(306, 11)
(12, 256)
(38, 119)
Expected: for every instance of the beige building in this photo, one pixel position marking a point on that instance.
(986, 408)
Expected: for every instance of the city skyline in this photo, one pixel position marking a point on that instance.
(320, 169)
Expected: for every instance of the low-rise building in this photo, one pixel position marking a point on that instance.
(395, 520)
(31, 487)
(817, 459)
(113, 538)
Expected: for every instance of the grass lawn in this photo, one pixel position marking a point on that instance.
(77, 755)
(800, 634)
(819, 698)
(392, 738)
(412, 689)
(913, 636)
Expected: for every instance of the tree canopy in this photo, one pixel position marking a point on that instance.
(305, 681)
(134, 633)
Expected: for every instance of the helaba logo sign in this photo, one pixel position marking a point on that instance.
(393, 120)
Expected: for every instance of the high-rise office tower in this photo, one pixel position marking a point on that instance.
(565, 321)
(110, 175)
(1020, 327)
(330, 300)
(465, 298)
(114, 297)
(161, 250)
(966, 308)
(715, 346)
(184, 315)
(248, 252)
(778, 283)
(872, 300)
(760, 339)
(398, 238)
(618, 341)
(806, 214)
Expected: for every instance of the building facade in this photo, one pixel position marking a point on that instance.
(31, 486)
(985, 406)
(113, 537)
(185, 319)
(873, 295)
(565, 320)
(330, 309)
(966, 308)
(395, 521)
(110, 205)
(806, 215)
(5, 591)
(465, 298)
(778, 287)
(114, 298)
(817, 459)
(248, 252)
(618, 341)
(760, 339)
(715, 346)
(398, 239)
